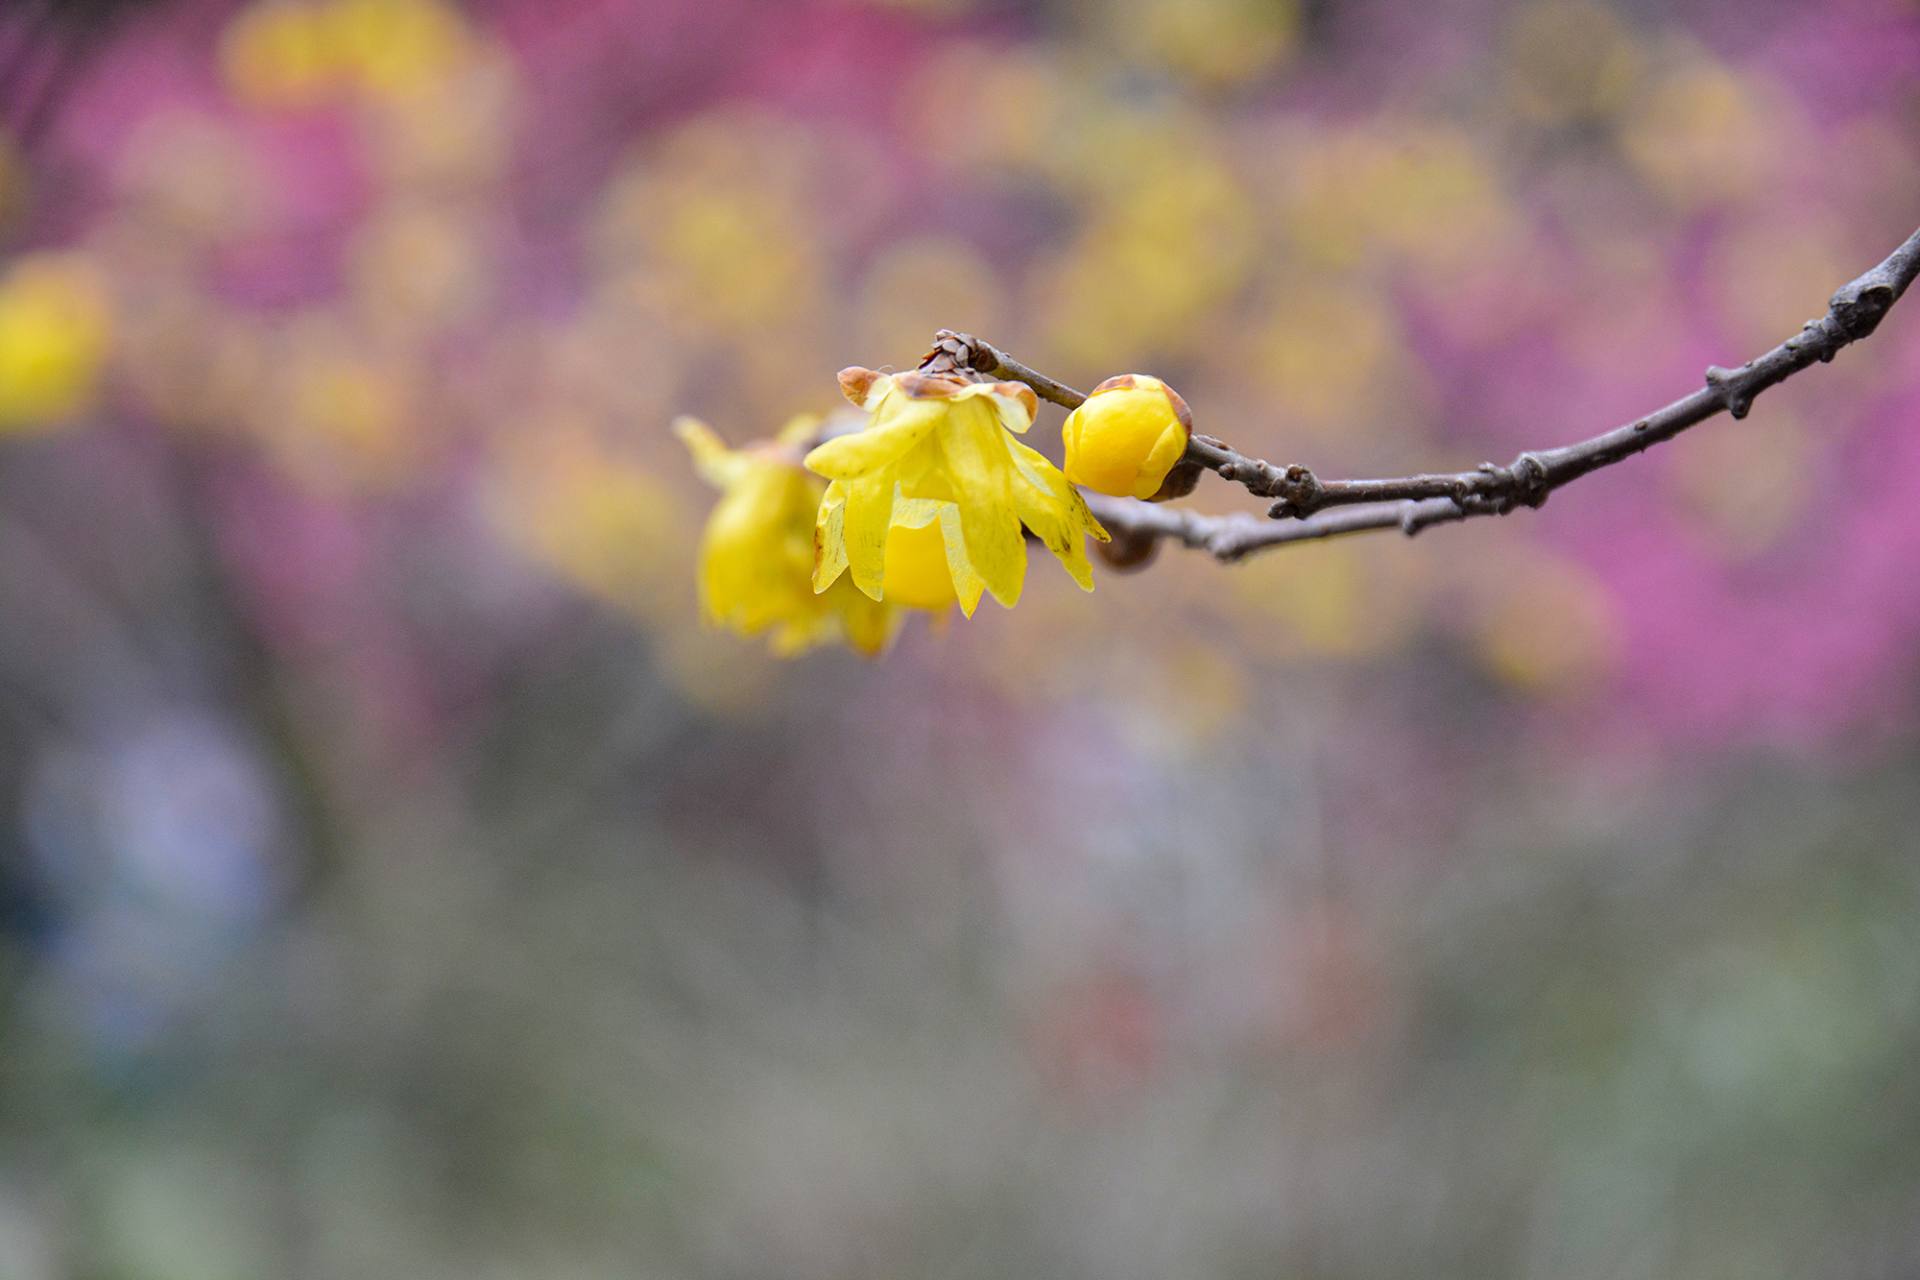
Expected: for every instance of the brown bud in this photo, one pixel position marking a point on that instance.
(1128, 550)
(1181, 481)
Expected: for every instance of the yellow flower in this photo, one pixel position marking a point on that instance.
(1127, 436)
(55, 322)
(756, 557)
(938, 451)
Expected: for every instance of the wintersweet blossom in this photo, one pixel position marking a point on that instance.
(1127, 436)
(940, 452)
(756, 555)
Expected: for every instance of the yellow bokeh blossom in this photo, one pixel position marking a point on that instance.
(1705, 133)
(55, 322)
(1424, 193)
(342, 413)
(941, 449)
(280, 55)
(1127, 436)
(1170, 234)
(298, 53)
(1215, 42)
(566, 495)
(1569, 61)
(1549, 628)
(396, 49)
(756, 556)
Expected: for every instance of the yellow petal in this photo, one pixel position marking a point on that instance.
(757, 548)
(830, 537)
(717, 464)
(915, 513)
(898, 423)
(1013, 402)
(1035, 469)
(982, 473)
(1056, 512)
(917, 576)
(869, 515)
(967, 584)
(923, 473)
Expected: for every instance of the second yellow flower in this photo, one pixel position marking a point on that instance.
(941, 451)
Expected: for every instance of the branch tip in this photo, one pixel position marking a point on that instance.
(1307, 508)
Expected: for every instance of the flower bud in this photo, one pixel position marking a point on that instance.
(1127, 436)
(1128, 550)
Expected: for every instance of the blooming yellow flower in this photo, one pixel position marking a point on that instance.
(55, 323)
(1127, 436)
(756, 556)
(938, 451)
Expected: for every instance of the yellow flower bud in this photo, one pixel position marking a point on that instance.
(1127, 436)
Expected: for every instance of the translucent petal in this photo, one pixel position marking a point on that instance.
(1013, 404)
(869, 514)
(967, 584)
(1055, 511)
(897, 424)
(982, 474)
(830, 537)
(916, 513)
(923, 473)
(1034, 468)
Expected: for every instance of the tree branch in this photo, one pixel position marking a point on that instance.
(1310, 508)
(1230, 537)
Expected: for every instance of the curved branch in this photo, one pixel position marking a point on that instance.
(1309, 508)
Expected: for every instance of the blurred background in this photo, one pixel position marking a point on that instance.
(396, 881)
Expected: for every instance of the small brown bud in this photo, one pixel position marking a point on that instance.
(1129, 550)
(1181, 481)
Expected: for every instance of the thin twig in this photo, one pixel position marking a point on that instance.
(1230, 537)
(1310, 508)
